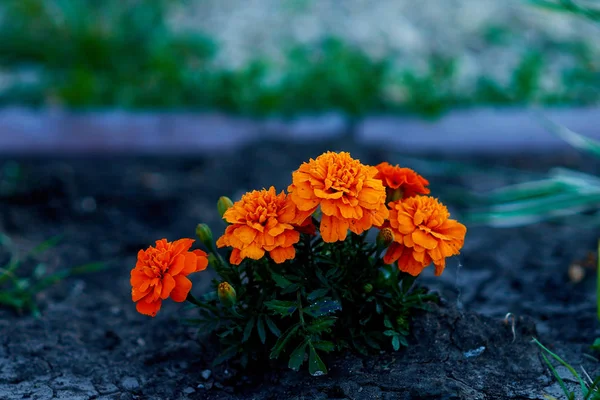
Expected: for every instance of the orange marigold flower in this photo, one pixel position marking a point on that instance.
(161, 272)
(401, 182)
(261, 221)
(423, 233)
(347, 191)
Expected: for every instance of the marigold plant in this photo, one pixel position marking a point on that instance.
(303, 276)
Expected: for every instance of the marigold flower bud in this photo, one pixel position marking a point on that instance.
(205, 235)
(227, 294)
(394, 194)
(368, 288)
(385, 238)
(223, 205)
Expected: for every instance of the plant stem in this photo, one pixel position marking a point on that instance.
(300, 309)
(198, 303)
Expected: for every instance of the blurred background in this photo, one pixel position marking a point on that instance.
(269, 57)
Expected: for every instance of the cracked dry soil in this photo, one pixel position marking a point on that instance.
(91, 344)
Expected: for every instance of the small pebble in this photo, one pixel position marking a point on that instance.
(475, 352)
(88, 204)
(218, 385)
(189, 390)
(576, 273)
(206, 374)
(140, 342)
(200, 386)
(130, 383)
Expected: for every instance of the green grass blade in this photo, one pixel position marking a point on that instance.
(45, 245)
(598, 282)
(584, 389)
(534, 210)
(576, 140)
(558, 378)
(88, 268)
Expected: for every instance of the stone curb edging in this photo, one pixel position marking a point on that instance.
(43, 132)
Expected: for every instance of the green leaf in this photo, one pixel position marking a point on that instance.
(283, 340)
(316, 294)
(323, 307)
(390, 332)
(248, 330)
(396, 342)
(316, 366)
(290, 289)
(280, 280)
(324, 345)
(272, 327)
(321, 324)
(227, 354)
(297, 356)
(284, 308)
(260, 328)
(387, 323)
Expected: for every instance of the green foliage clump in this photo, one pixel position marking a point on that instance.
(331, 297)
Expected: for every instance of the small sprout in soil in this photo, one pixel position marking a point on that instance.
(21, 281)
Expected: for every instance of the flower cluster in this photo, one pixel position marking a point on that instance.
(301, 263)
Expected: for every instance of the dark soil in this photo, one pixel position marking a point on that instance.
(90, 343)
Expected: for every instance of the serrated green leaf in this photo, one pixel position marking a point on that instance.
(290, 289)
(321, 277)
(403, 341)
(283, 340)
(320, 325)
(316, 366)
(317, 294)
(281, 307)
(272, 327)
(396, 342)
(322, 307)
(331, 272)
(297, 356)
(387, 323)
(260, 329)
(248, 330)
(280, 280)
(227, 354)
(323, 345)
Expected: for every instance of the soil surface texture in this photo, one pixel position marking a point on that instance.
(90, 343)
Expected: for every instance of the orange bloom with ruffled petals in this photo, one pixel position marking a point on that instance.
(262, 221)
(161, 272)
(349, 195)
(423, 233)
(401, 182)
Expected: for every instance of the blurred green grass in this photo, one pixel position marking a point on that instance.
(85, 54)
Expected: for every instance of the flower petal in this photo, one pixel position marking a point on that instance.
(150, 309)
(168, 284)
(182, 287)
